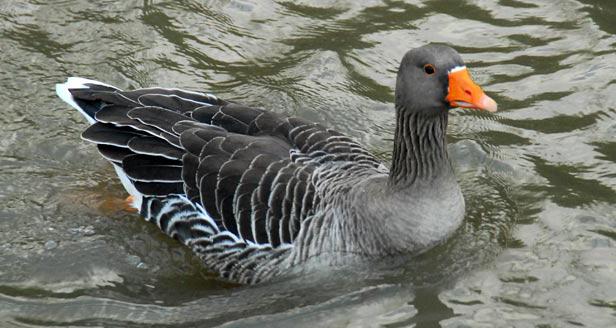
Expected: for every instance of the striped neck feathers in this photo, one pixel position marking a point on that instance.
(420, 147)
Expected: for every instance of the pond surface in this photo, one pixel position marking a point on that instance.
(538, 246)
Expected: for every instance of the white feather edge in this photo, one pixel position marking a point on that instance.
(76, 83)
(130, 188)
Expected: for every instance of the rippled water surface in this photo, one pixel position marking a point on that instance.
(538, 245)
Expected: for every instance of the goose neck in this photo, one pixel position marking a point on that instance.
(420, 147)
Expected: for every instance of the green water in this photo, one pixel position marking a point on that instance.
(537, 248)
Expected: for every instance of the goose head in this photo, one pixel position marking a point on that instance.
(433, 79)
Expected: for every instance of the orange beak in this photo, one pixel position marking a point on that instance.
(463, 92)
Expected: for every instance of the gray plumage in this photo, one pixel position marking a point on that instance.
(255, 193)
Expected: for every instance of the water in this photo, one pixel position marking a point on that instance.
(538, 245)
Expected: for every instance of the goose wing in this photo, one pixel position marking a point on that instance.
(254, 174)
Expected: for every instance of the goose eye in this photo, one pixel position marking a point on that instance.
(429, 69)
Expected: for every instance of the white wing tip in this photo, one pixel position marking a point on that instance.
(62, 90)
(75, 82)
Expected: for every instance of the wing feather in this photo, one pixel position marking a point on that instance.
(237, 184)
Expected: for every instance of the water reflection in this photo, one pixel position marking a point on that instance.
(537, 246)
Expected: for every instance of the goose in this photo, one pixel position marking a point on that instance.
(255, 193)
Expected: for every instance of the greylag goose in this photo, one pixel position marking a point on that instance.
(255, 193)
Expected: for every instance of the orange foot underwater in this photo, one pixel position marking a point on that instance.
(115, 204)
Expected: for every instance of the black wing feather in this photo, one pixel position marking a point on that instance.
(150, 145)
(152, 169)
(107, 134)
(113, 153)
(170, 102)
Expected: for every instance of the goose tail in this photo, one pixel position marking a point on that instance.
(87, 109)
